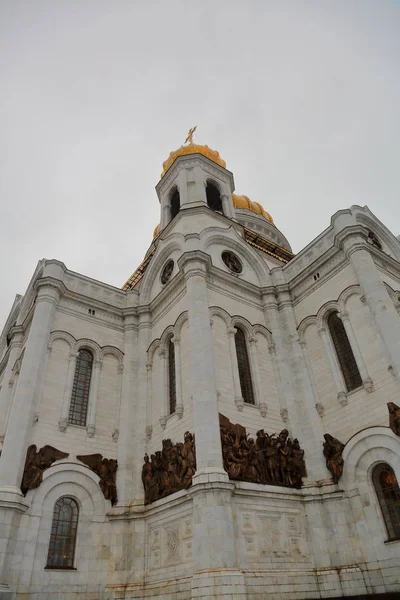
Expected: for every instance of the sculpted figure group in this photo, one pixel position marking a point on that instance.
(333, 449)
(106, 469)
(270, 459)
(170, 469)
(394, 417)
(35, 464)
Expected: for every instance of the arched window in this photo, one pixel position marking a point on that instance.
(63, 534)
(171, 377)
(347, 362)
(246, 383)
(80, 389)
(175, 203)
(388, 492)
(214, 197)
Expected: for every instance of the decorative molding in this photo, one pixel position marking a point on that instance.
(284, 415)
(263, 409)
(91, 430)
(342, 398)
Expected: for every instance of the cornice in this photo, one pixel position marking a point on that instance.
(50, 282)
(189, 161)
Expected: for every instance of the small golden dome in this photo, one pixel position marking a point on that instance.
(193, 149)
(255, 207)
(156, 231)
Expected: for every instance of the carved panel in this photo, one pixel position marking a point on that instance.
(273, 535)
(171, 543)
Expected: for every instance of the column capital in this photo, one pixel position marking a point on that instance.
(194, 262)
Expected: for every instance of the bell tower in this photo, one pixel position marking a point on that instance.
(192, 176)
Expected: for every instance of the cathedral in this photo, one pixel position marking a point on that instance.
(225, 426)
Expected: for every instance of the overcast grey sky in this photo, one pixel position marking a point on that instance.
(301, 98)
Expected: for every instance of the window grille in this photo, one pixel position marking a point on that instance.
(80, 389)
(246, 384)
(171, 377)
(344, 353)
(388, 492)
(63, 534)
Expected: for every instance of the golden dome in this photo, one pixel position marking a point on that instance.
(192, 149)
(255, 207)
(156, 231)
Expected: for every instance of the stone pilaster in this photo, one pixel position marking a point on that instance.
(93, 393)
(14, 351)
(19, 426)
(383, 311)
(303, 418)
(127, 413)
(205, 406)
(213, 530)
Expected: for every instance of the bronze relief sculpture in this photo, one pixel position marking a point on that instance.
(270, 459)
(170, 469)
(36, 463)
(106, 469)
(333, 449)
(394, 417)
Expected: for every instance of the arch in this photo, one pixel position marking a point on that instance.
(365, 449)
(264, 331)
(234, 242)
(179, 323)
(327, 309)
(155, 344)
(242, 323)
(175, 243)
(217, 311)
(167, 334)
(79, 401)
(243, 360)
(305, 323)
(90, 345)
(213, 195)
(59, 334)
(388, 493)
(352, 290)
(61, 552)
(114, 351)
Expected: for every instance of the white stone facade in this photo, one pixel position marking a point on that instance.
(219, 539)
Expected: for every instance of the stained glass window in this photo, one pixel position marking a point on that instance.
(246, 383)
(388, 492)
(80, 389)
(63, 534)
(347, 362)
